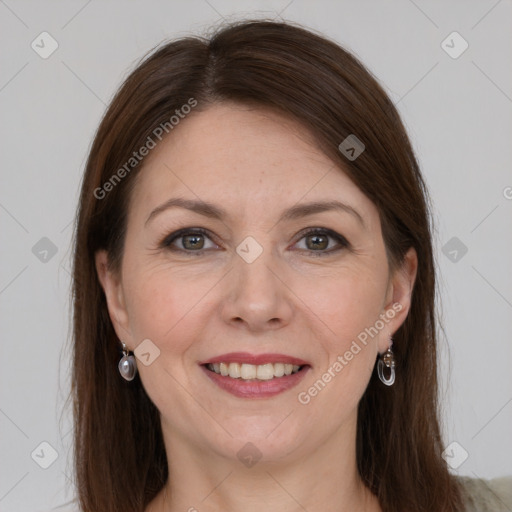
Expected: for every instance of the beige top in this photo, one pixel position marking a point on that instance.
(480, 495)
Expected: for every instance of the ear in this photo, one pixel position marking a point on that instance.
(398, 297)
(114, 293)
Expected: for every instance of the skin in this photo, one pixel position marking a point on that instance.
(254, 164)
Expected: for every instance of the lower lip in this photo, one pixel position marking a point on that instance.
(256, 388)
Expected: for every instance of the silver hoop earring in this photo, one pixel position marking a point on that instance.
(387, 360)
(127, 365)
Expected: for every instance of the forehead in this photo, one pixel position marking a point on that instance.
(242, 155)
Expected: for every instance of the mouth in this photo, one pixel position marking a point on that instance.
(244, 379)
(252, 372)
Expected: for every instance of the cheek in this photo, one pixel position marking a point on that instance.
(347, 307)
(346, 304)
(161, 303)
(170, 311)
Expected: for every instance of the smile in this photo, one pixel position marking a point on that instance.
(246, 371)
(255, 376)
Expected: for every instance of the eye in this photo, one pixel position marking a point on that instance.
(322, 241)
(188, 240)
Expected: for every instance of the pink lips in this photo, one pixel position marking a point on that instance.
(255, 388)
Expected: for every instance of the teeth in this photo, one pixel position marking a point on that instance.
(246, 371)
(279, 369)
(265, 371)
(223, 368)
(234, 370)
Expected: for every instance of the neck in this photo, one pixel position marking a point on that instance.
(325, 479)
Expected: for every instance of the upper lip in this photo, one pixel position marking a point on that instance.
(255, 359)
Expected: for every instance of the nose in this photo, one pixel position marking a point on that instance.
(257, 296)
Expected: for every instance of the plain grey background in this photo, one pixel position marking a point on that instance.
(456, 106)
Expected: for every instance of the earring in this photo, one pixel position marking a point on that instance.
(387, 360)
(127, 365)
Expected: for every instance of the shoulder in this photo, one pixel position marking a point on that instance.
(482, 495)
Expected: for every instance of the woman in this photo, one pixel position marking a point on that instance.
(254, 290)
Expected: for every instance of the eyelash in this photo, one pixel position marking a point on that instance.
(169, 239)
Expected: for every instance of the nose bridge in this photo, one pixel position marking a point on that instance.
(257, 295)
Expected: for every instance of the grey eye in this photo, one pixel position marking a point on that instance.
(317, 242)
(193, 242)
(189, 240)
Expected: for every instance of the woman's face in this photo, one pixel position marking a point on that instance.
(235, 273)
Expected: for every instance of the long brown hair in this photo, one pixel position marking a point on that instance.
(120, 460)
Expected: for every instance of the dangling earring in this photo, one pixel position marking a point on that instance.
(127, 365)
(388, 360)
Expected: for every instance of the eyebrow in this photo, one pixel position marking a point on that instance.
(295, 212)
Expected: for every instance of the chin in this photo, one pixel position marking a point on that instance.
(261, 439)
